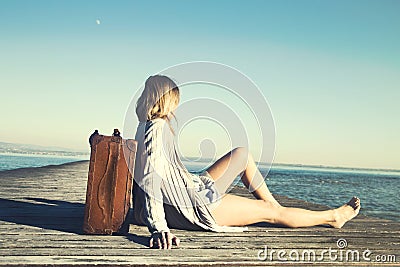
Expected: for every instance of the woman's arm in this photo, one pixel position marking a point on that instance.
(154, 173)
(154, 215)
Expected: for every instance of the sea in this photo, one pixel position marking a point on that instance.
(10, 161)
(331, 186)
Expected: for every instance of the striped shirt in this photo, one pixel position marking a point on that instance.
(166, 193)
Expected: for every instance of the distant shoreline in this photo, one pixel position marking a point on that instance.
(46, 154)
(335, 167)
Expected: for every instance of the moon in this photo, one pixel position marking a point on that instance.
(98, 21)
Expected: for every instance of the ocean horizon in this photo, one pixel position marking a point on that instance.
(331, 186)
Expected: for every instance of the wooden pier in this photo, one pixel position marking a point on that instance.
(41, 213)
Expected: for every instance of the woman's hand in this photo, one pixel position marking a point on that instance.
(163, 240)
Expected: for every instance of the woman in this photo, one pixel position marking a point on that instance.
(168, 195)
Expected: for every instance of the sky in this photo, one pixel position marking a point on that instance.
(328, 69)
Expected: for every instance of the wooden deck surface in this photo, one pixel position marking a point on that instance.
(41, 213)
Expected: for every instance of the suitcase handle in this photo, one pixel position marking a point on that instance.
(116, 133)
(96, 132)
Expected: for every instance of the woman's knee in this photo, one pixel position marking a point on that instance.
(241, 154)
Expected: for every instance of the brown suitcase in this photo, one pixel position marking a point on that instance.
(109, 185)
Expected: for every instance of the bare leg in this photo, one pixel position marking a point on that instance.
(236, 211)
(240, 161)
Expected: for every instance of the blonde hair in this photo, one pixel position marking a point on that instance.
(159, 98)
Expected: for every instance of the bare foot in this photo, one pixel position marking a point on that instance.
(346, 212)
